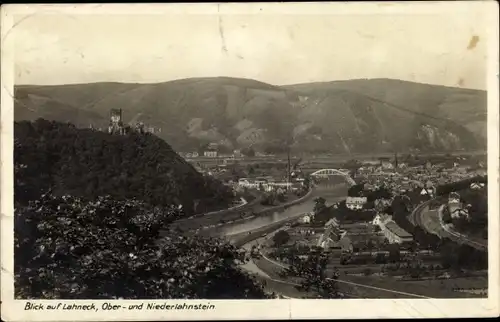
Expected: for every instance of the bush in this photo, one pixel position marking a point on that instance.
(281, 238)
(69, 248)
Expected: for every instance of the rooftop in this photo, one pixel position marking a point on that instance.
(398, 231)
(356, 200)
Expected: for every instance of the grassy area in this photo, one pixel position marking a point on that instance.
(429, 288)
(389, 286)
(458, 286)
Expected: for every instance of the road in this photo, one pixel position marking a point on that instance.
(431, 221)
(461, 238)
(332, 194)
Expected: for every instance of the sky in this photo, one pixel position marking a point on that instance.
(445, 49)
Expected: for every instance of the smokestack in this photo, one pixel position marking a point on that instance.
(289, 169)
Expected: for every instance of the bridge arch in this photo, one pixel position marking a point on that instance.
(334, 172)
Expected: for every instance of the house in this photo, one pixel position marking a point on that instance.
(381, 219)
(210, 154)
(213, 146)
(332, 223)
(460, 213)
(427, 192)
(381, 204)
(405, 187)
(476, 186)
(453, 197)
(346, 244)
(368, 187)
(355, 203)
(395, 234)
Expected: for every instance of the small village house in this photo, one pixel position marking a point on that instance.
(396, 234)
(355, 203)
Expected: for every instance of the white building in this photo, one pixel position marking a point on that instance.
(453, 198)
(395, 234)
(210, 154)
(427, 192)
(476, 186)
(460, 213)
(355, 203)
(332, 223)
(265, 184)
(381, 219)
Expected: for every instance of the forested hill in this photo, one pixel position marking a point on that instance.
(66, 160)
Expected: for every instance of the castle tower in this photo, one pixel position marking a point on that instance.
(115, 121)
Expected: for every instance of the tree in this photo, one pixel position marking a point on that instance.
(380, 258)
(307, 183)
(88, 164)
(269, 199)
(312, 271)
(319, 205)
(394, 253)
(281, 238)
(353, 167)
(356, 190)
(71, 248)
(248, 152)
(281, 197)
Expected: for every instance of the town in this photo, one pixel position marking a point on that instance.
(392, 227)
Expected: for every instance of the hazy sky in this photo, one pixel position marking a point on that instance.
(442, 49)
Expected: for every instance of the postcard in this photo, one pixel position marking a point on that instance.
(256, 161)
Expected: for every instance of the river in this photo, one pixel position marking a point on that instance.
(332, 193)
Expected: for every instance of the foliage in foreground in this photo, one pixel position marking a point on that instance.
(312, 272)
(66, 247)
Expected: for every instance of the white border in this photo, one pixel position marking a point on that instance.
(264, 309)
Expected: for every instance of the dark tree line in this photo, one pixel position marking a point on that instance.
(445, 189)
(82, 162)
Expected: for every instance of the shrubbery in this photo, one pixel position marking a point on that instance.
(89, 210)
(66, 247)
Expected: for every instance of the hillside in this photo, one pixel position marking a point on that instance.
(81, 162)
(368, 116)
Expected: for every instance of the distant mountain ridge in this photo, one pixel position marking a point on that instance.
(353, 116)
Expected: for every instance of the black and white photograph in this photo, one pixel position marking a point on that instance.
(206, 152)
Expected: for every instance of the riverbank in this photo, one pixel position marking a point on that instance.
(267, 215)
